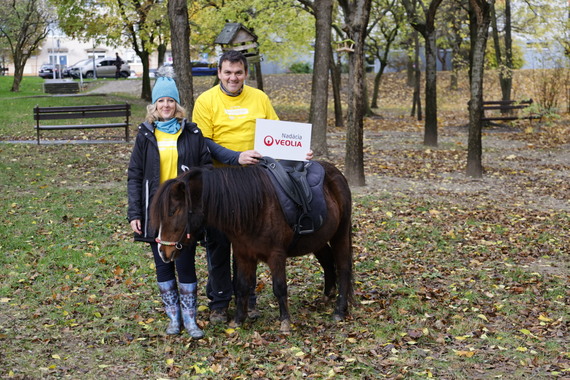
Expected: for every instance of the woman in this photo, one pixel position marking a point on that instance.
(166, 145)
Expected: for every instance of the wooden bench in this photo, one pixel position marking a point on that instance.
(83, 112)
(508, 110)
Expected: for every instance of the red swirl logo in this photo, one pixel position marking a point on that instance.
(268, 140)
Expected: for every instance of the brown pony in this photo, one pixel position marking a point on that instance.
(242, 202)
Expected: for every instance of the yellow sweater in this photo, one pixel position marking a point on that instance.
(230, 121)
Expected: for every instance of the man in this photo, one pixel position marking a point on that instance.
(226, 115)
(118, 64)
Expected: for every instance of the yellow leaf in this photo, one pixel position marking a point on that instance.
(230, 331)
(483, 317)
(544, 319)
(169, 361)
(522, 349)
(5, 299)
(466, 354)
(56, 356)
(203, 308)
(389, 214)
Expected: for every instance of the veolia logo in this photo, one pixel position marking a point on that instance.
(268, 140)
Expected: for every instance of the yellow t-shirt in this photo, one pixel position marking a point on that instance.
(230, 120)
(168, 152)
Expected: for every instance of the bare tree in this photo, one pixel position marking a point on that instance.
(388, 20)
(322, 10)
(24, 25)
(180, 40)
(426, 27)
(480, 19)
(356, 15)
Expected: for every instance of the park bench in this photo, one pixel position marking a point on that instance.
(83, 112)
(507, 110)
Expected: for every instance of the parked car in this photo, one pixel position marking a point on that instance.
(105, 68)
(199, 69)
(46, 71)
(66, 72)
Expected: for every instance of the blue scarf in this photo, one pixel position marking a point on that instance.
(170, 126)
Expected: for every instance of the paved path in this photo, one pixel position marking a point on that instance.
(129, 86)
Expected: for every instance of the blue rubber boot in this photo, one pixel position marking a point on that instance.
(188, 307)
(171, 301)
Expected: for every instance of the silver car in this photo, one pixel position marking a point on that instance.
(105, 68)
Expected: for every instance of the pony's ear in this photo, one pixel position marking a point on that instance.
(178, 191)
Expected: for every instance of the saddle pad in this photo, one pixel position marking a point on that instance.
(318, 206)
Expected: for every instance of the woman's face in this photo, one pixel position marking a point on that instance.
(166, 107)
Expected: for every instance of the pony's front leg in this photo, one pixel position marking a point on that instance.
(245, 280)
(279, 279)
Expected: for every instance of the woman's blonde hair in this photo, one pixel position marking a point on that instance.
(152, 114)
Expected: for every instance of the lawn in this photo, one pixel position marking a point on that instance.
(455, 278)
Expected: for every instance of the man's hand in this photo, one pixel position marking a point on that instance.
(249, 157)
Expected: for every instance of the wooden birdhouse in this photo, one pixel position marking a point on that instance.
(235, 36)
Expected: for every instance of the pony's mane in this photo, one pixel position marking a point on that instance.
(234, 197)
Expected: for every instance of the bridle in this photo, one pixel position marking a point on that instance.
(176, 244)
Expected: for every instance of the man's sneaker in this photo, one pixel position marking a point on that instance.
(253, 313)
(218, 316)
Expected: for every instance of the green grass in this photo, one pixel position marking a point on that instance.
(18, 120)
(441, 291)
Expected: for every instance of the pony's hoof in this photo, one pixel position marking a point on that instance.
(338, 318)
(234, 325)
(285, 327)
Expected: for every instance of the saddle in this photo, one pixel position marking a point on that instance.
(299, 188)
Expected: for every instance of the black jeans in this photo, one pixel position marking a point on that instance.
(220, 285)
(184, 265)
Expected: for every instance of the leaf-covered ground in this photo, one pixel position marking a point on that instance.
(455, 278)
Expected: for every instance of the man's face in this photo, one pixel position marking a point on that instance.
(232, 76)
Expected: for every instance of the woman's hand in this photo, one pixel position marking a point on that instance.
(136, 226)
(309, 155)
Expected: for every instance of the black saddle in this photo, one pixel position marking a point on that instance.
(299, 187)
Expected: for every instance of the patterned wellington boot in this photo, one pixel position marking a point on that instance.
(170, 299)
(188, 307)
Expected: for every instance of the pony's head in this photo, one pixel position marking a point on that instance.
(178, 220)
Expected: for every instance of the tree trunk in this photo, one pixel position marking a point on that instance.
(258, 76)
(356, 15)
(161, 49)
(320, 83)
(507, 75)
(180, 41)
(417, 102)
(146, 91)
(336, 84)
(430, 130)
(480, 20)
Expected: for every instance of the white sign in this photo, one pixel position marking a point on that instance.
(284, 140)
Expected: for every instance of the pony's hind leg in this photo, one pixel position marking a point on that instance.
(326, 259)
(341, 245)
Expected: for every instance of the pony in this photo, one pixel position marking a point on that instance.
(242, 202)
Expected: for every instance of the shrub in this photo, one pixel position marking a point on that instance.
(301, 68)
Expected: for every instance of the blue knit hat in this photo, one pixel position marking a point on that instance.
(165, 86)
